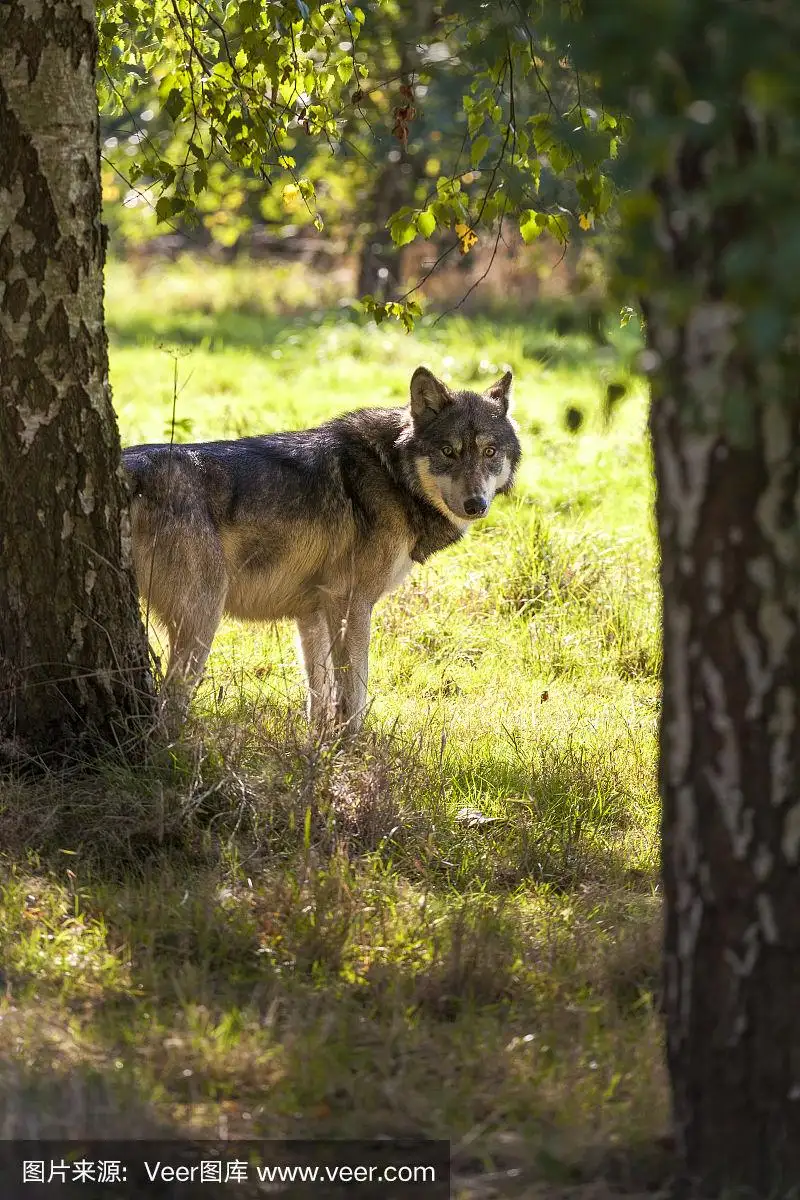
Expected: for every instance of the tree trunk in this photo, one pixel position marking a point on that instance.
(73, 657)
(725, 424)
(380, 267)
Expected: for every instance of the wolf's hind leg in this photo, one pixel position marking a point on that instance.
(189, 589)
(315, 644)
(190, 639)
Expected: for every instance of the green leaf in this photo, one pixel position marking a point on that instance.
(402, 227)
(235, 126)
(403, 234)
(426, 222)
(529, 226)
(344, 69)
(174, 103)
(479, 148)
(475, 120)
(163, 208)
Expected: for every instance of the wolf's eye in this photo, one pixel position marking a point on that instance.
(489, 452)
(446, 450)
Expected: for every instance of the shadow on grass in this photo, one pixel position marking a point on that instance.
(274, 940)
(294, 1010)
(195, 327)
(261, 792)
(92, 1104)
(553, 333)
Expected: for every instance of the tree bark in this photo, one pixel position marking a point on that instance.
(725, 424)
(74, 666)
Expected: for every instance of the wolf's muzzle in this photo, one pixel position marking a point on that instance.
(476, 506)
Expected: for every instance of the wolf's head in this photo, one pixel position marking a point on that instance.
(463, 445)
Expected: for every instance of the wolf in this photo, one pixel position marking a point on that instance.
(315, 526)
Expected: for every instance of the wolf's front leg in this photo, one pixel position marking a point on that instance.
(349, 625)
(315, 644)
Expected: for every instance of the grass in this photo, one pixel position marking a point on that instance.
(450, 927)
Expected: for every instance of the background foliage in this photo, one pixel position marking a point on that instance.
(453, 126)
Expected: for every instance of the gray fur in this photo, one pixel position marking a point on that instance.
(315, 526)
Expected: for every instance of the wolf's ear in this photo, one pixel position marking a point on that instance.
(428, 395)
(500, 393)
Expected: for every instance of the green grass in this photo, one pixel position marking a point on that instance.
(450, 927)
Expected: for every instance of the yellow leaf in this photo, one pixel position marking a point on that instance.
(586, 222)
(291, 196)
(467, 238)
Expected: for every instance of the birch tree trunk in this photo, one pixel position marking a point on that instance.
(73, 657)
(725, 425)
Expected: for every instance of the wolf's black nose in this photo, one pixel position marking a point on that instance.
(475, 506)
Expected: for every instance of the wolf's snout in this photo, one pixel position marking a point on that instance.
(476, 506)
